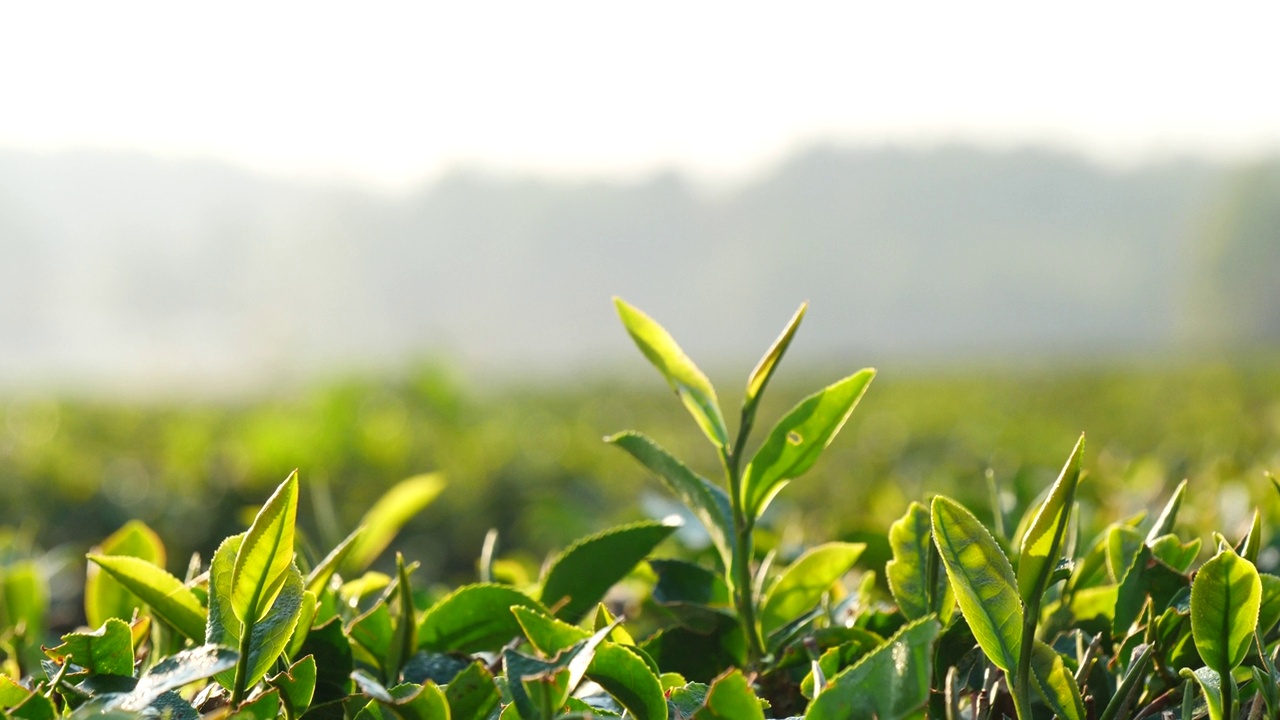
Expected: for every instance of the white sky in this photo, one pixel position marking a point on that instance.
(395, 92)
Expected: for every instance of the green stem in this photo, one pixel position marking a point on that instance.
(743, 548)
(1021, 689)
(239, 687)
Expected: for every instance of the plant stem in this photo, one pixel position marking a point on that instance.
(1021, 688)
(242, 666)
(743, 549)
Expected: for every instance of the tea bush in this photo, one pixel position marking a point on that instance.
(1030, 615)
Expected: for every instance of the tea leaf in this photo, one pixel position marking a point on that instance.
(802, 585)
(165, 594)
(582, 574)
(693, 388)
(730, 698)
(263, 639)
(794, 444)
(265, 554)
(889, 683)
(105, 651)
(388, 515)
(708, 502)
(471, 694)
(1210, 683)
(1226, 596)
(1169, 515)
(104, 597)
(1055, 683)
(982, 580)
(1041, 547)
(764, 370)
(474, 618)
(297, 686)
(908, 573)
(175, 671)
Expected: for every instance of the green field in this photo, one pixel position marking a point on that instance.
(530, 461)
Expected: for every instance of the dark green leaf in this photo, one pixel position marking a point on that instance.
(580, 576)
(708, 502)
(297, 685)
(334, 663)
(174, 672)
(685, 378)
(982, 580)
(474, 618)
(794, 444)
(472, 694)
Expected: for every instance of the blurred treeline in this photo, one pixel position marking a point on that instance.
(529, 461)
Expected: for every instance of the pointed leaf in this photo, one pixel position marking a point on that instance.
(794, 444)
(384, 520)
(708, 502)
(908, 573)
(1169, 515)
(297, 685)
(318, 578)
(982, 579)
(266, 554)
(804, 582)
(267, 636)
(474, 618)
(890, 683)
(104, 596)
(1210, 684)
(582, 574)
(685, 378)
(1226, 596)
(1055, 683)
(165, 594)
(1041, 547)
(764, 370)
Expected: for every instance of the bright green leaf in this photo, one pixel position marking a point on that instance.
(105, 651)
(1041, 547)
(908, 573)
(266, 554)
(890, 683)
(1169, 515)
(165, 594)
(104, 596)
(297, 686)
(685, 378)
(471, 694)
(982, 580)
(1055, 683)
(730, 698)
(384, 520)
(1226, 596)
(804, 582)
(764, 369)
(794, 444)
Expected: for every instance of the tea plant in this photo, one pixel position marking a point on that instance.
(1126, 624)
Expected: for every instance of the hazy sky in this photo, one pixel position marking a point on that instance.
(395, 92)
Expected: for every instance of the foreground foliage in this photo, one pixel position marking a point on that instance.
(983, 623)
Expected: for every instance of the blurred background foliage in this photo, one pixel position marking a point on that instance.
(529, 461)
